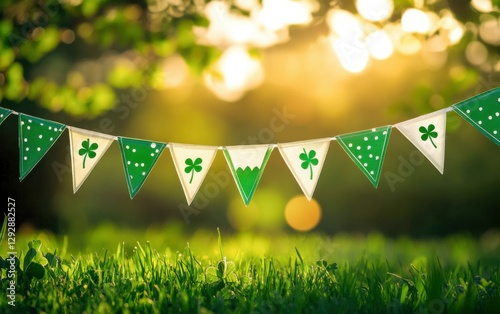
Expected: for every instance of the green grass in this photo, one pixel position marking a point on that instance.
(252, 273)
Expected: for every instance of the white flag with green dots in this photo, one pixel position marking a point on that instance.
(192, 163)
(428, 134)
(87, 148)
(305, 160)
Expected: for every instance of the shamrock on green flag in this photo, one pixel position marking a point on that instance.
(36, 137)
(4, 113)
(367, 149)
(483, 112)
(139, 157)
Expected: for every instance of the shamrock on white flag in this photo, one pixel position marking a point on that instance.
(87, 148)
(428, 134)
(247, 163)
(192, 163)
(305, 160)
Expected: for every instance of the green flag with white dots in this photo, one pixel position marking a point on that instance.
(4, 113)
(483, 112)
(367, 150)
(138, 157)
(36, 137)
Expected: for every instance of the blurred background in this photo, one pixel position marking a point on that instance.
(252, 72)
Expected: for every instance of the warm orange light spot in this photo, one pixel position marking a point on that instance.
(301, 214)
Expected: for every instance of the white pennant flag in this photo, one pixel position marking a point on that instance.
(305, 160)
(192, 163)
(87, 148)
(427, 133)
(247, 163)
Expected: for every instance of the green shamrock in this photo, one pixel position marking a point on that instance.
(87, 150)
(428, 133)
(308, 160)
(193, 167)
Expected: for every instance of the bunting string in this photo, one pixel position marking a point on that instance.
(305, 159)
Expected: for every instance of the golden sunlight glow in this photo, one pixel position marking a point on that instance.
(343, 23)
(353, 56)
(278, 14)
(174, 71)
(375, 10)
(416, 21)
(379, 45)
(301, 214)
(484, 6)
(234, 73)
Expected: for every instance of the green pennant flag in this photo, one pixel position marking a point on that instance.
(36, 137)
(247, 163)
(138, 157)
(4, 113)
(367, 149)
(483, 112)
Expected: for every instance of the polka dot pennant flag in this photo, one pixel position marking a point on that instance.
(305, 160)
(192, 163)
(139, 157)
(4, 113)
(483, 112)
(247, 163)
(36, 137)
(87, 148)
(367, 149)
(428, 134)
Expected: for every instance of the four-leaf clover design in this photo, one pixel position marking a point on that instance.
(428, 133)
(193, 166)
(308, 160)
(88, 150)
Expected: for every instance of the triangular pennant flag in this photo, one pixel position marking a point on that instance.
(367, 149)
(36, 137)
(305, 160)
(192, 163)
(139, 157)
(427, 133)
(4, 113)
(247, 163)
(483, 112)
(87, 148)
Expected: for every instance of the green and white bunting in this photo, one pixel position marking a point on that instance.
(192, 163)
(247, 163)
(428, 134)
(483, 112)
(367, 150)
(87, 148)
(4, 113)
(305, 160)
(36, 137)
(139, 157)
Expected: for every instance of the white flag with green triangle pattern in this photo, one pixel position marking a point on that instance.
(428, 134)
(192, 163)
(87, 148)
(305, 160)
(247, 163)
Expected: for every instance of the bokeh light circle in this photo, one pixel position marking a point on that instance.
(301, 214)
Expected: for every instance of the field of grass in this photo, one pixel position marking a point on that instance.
(165, 270)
